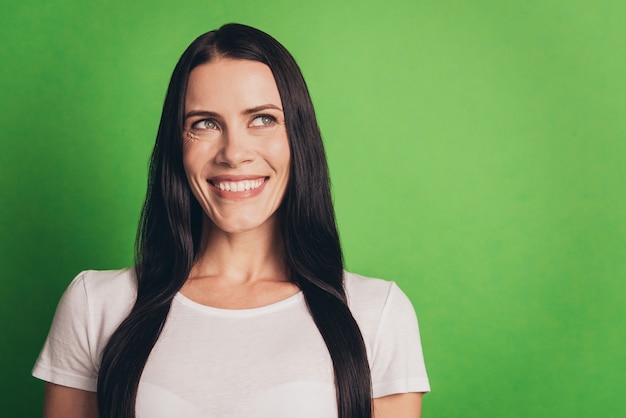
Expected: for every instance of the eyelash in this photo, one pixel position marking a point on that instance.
(196, 125)
(272, 119)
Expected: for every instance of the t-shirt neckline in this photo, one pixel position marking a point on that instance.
(240, 313)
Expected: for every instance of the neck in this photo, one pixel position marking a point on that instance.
(241, 257)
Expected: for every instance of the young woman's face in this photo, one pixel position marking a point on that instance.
(236, 151)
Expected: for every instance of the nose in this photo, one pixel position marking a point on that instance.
(235, 149)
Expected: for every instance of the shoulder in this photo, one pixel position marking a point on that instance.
(105, 285)
(91, 308)
(358, 286)
(94, 290)
(91, 289)
(371, 294)
(109, 295)
(372, 300)
(99, 301)
(390, 331)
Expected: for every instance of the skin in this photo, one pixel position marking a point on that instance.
(234, 131)
(64, 402)
(235, 109)
(400, 405)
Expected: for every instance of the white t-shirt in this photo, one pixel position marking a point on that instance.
(263, 362)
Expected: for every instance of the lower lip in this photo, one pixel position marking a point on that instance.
(224, 194)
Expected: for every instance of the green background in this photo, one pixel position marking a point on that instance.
(478, 157)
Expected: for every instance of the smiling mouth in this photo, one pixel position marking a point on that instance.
(238, 186)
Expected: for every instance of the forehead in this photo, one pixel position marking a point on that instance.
(231, 84)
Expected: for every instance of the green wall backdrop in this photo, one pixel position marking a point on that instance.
(478, 156)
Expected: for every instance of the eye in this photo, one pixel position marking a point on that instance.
(204, 124)
(262, 121)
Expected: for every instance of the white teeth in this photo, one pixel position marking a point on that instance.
(239, 186)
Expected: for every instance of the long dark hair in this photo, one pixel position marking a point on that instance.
(168, 237)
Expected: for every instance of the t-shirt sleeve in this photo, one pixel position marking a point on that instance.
(397, 358)
(67, 357)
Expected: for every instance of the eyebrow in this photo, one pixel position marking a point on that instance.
(249, 111)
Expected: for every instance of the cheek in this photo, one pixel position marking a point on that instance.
(192, 161)
(280, 154)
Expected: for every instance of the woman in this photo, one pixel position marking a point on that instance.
(238, 305)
